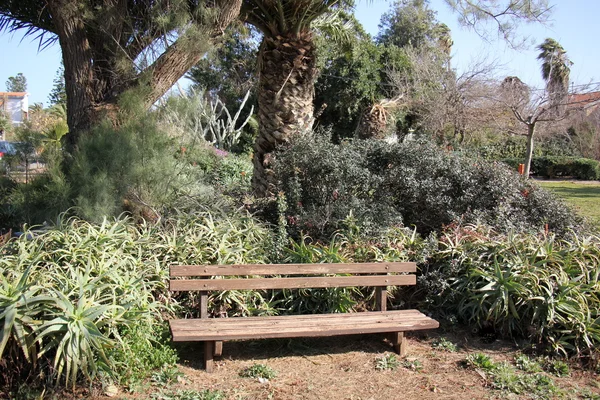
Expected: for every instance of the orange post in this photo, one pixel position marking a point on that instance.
(521, 169)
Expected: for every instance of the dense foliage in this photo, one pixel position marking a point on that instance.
(148, 166)
(82, 300)
(373, 185)
(79, 300)
(498, 147)
(353, 77)
(534, 286)
(561, 167)
(84, 294)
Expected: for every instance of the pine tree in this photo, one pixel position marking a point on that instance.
(17, 83)
(58, 95)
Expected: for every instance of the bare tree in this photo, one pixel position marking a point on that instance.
(584, 129)
(443, 102)
(533, 107)
(504, 15)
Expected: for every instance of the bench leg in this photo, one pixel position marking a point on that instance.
(209, 349)
(218, 348)
(399, 342)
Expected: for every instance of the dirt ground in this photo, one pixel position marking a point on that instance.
(344, 368)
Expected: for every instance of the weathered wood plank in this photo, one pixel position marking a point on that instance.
(381, 298)
(291, 283)
(209, 348)
(291, 320)
(299, 326)
(218, 348)
(227, 332)
(290, 269)
(400, 344)
(203, 304)
(283, 326)
(299, 331)
(297, 320)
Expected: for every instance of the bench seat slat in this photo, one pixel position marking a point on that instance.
(290, 269)
(291, 283)
(198, 323)
(283, 325)
(299, 326)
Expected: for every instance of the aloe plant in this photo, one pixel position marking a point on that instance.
(21, 306)
(74, 333)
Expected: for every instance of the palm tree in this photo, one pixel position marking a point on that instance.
(287, 72)
(555, 70)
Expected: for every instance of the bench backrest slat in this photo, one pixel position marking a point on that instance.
(290, 269)
(291, 283)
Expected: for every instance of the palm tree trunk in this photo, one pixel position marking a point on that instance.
(285, 99)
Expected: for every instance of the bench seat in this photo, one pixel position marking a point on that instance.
(288, 326)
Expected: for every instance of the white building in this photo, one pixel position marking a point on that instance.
(15, 105)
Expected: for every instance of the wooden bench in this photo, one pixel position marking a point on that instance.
(213, 331)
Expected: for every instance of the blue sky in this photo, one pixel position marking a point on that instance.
(574, 25)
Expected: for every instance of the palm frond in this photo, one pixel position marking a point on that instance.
(555, 64)
(29, 16)
(335, 26)
(275, 17)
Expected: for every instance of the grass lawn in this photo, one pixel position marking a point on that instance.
(584, 196)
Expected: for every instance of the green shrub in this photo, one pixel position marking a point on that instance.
(132, 168)
(233, 174)
(498, 147)
(480, 361)
(324, 184)
(9, 214)
(536, 385)
(258, 371)
(89, 298)
(578, 168)
(41, 200)
(557, 167)
(504, 377)
(371, 185)
(387, 362)
(444, 345)
(189, 395)
(557, 367)
(147, 344)
(524, 363)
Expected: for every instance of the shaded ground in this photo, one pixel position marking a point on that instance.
(345, 368)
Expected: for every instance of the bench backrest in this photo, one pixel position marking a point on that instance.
(268, 276)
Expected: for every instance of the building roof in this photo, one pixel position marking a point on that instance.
(584, 100)
(13, 94)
